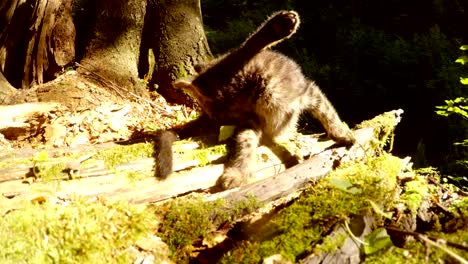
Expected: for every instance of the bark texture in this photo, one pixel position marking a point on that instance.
(178, 42)
(6, 89)
(37, 40)
(112, 52)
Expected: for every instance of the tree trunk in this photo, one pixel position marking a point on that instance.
(178, 42)
(112, 52)
(36, 40)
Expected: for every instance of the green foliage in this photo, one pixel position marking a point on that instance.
(79, 232)
(377, 241)
(225, 132)
(459, 108)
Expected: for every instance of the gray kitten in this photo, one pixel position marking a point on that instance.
(262, 93)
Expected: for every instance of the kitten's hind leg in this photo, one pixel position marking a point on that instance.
(324, 111)
(238, 170)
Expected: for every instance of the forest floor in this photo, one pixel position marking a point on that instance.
(78, 186)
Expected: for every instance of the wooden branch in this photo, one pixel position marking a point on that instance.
(13, 116)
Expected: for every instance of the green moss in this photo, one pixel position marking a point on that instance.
(460, 237)
(204, 155)
(151, 64)
(79, 232)
(133, 176)
(122, 154)
(45, 168)
(331, 244)
(47, 173)
(298, 229)
(184, 221)
(384, 126)
(181, 71)
(460, 206)
(415, 192)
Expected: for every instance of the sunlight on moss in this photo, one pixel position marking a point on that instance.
(415, 192)
(184, 221)
(79, 232)
(203, 154)
(384, 126)
(181, 71)
(331, 244)
(122, 154)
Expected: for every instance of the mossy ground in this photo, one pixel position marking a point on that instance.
(76, 232)
(184, 221)
(299, 229)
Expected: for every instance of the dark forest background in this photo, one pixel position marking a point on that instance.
(370, 57)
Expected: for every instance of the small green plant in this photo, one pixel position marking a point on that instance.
(459, 108)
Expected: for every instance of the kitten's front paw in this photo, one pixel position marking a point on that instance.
(231, 178)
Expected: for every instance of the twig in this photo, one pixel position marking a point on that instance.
(165, 112)
(440, 246)
(416, 234)
(103, 79)
(351, 234)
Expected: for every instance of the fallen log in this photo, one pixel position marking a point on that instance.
(269, 182)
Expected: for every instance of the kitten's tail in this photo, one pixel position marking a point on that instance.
(163, 153)
(321, 108)
(281, 25)
(278, 27)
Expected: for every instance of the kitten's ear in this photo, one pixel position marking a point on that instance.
(183, 83)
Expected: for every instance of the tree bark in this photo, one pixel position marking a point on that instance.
(36, 40)
(178, 42)
(6, 89)
(112, 52)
